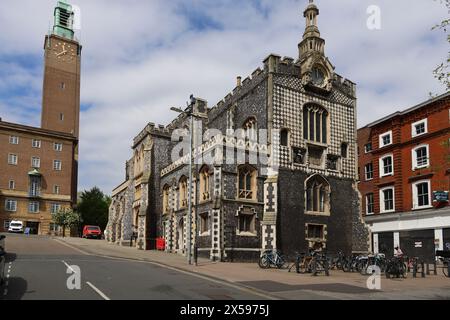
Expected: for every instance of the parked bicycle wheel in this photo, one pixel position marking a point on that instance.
(282, 263)
(264, 262)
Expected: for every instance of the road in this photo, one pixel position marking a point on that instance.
(40, 268)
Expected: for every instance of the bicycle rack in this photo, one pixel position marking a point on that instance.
(416, 269)
(434, 268)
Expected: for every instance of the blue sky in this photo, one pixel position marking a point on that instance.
(141, 57)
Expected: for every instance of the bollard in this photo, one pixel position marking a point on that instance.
(423, 269)
(415, 270)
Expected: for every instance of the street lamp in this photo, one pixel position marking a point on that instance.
(189, 112)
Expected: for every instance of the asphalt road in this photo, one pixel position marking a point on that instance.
(40, 268)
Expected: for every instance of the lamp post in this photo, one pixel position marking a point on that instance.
(190, 113)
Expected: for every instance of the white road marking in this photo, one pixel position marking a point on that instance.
(190, 273)
(5, 292)
(72, 247)
(68, 267)
(101, 294)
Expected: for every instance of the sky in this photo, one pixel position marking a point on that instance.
(142, 57)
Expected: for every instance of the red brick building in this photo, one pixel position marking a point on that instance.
(38, 166)
(404, 168)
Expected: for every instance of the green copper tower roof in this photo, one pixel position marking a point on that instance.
(63, 25)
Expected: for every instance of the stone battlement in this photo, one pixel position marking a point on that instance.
(151, 128)
(247, 85)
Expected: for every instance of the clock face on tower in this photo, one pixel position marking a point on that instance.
(64, 52)
(318, 76)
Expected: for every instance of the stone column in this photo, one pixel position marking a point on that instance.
(269, 223)
(217, 233)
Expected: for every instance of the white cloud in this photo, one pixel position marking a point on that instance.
(142, 57)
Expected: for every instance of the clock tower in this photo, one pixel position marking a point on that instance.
(61, 90)
(316, 70)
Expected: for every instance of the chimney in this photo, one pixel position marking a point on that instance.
(239, 81)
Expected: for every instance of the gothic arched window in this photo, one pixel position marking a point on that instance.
(318, 195)
(183, 186)
(166, 191)
(284, 137)
(247, 183)
(204, 184)
(315, 123)
(250, 128)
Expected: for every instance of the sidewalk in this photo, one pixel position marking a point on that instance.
(279, 283)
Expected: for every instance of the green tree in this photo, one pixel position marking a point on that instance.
(66, 218)
(441, 72)
(94, 207)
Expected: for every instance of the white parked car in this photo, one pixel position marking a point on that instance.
(16, 227)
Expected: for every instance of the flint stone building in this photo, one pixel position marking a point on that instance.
(299, 118)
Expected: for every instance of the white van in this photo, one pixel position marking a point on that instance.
(16, 226)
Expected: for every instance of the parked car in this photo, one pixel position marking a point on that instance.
(92, 232)
(2, 259)
(16, 226)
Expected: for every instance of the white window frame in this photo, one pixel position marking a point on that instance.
(413, 128)
(367, 205)
(56, 189)
(13, 140)
(14, 207)
(366, 172)
(415, 165)
(37, 207)
(57, 146)
(12, 156)
(35, 143)
(415, 195)
(57, 167)
(382, 209)
(55, 207)
(381, 165)
(382, 145)
(365, 148)
(37, 161)
(11, 185)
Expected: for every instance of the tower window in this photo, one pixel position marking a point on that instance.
(317, 196)
(344, 150)
(62, 85)
(284, 137)
(315, 124)
(57, 146)
(57, 165)
(56, 189)
(247, 183)
(14, 140)
(61, 117)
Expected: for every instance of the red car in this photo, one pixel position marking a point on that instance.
(91, 232)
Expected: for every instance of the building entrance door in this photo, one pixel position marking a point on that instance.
(34, 227)
(418, 243)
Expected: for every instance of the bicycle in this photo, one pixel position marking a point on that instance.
(396, 267)
(320, 264)
(272, 258)
(378, 260)
(338, 262)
